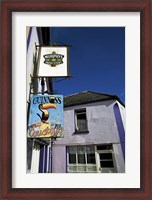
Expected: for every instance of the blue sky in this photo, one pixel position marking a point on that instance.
(97, 59)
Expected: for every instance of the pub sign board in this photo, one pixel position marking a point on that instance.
(53, 61)
(45, 116)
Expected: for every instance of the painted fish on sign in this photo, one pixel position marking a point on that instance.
(46, 116)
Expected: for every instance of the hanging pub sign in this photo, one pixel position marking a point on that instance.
(46, 116)
(53, 61)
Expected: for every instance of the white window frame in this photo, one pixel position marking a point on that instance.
(84, 111)
(105, 170)
(77, 165)
(97, 160)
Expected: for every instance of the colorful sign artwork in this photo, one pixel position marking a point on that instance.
(53, 61)
(46, 116)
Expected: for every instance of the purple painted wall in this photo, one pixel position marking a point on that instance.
(102, 129)
(59, 159)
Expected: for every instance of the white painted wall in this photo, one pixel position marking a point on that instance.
(30, 57)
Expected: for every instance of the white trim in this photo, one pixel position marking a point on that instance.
(97, 160)
(35, 158)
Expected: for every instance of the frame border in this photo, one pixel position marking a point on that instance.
(10, 6)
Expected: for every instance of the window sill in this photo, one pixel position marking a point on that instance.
(81, 132)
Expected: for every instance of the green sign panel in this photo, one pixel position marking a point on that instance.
(53, 59)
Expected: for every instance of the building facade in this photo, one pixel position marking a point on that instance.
(94, 135)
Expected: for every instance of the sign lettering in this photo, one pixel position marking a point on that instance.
(46, 116)
(53, 59)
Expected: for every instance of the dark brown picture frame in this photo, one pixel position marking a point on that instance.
(10, 6)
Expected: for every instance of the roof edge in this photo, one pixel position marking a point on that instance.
(94, 101)
(109, 97)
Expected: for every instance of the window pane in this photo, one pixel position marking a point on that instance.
(81, 159)
(72, 150)
(81, 120)
(81, 149)
(91, 158)
(90, 149)
(106, 156)
(106, 164)
(72, 168)
(92, 168)
(81, 116)
(82, 124)
(104, 147)
(72, 158)
(82, 168)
